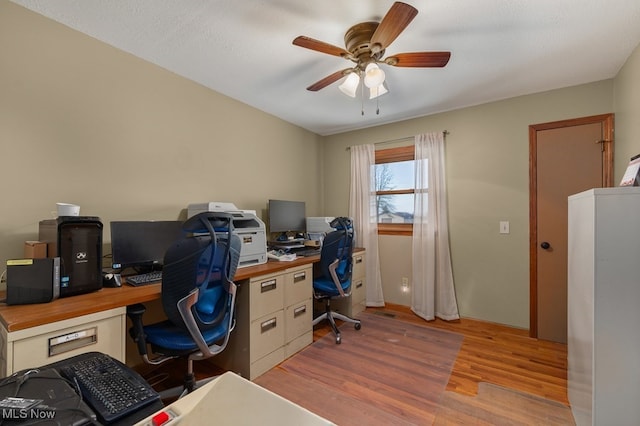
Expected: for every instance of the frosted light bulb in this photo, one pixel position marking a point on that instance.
(373, 75)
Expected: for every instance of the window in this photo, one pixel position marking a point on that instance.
(395, 185)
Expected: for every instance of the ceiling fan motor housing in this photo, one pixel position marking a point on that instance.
(357, 40)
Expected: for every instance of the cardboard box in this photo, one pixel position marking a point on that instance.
(35, 250)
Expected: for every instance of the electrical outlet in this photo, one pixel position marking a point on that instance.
(405, 282)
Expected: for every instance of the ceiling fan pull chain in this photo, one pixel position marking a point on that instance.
(362, 100)
(378, 105)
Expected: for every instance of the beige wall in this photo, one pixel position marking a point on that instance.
(82, 122)
(627, 107)
(487, 170)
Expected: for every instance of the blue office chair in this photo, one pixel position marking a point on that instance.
(198, 297)
(333, 279)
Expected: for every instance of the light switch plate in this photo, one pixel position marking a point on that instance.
(504, 227)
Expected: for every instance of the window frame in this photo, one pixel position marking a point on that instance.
(393, 155)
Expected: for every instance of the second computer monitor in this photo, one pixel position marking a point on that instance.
(287, 216)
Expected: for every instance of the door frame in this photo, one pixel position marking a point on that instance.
(607, 178)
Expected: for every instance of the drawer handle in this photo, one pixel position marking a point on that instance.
(267, 286)
(359, 284)
(300, 276)
(268, 325)
(299, 311)
(68, 342)
(358, 259)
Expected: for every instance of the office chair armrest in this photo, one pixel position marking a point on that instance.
(184, 307)
(334, 277)
(135, 312)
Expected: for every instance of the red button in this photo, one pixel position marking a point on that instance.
(160, 419)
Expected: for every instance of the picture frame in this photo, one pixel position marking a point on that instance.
(632, 174)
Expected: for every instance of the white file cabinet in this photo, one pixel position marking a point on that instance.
(273, 321)
(603, 348)
(102, 331)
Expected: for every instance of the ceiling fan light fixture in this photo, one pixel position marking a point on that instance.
(373, 75)
(350, 85)
(374, 92)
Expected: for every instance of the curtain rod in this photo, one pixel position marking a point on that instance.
(444, 133)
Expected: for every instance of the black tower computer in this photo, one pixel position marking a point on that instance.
(77, 240)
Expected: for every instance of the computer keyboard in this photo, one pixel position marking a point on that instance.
(142, 279)
(112, 389)
(309, 251)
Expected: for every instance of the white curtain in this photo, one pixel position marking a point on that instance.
(363, 211)
(433, 293)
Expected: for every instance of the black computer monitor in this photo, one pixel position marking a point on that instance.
(141, 244)
(287, 216)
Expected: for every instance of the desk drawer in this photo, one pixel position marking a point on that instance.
(298, 319)
(266, 363)
(358, 266)
(298, 344)
(358, 291)
(267, 294)
(298, 285)
(104, 335)
(267, 334)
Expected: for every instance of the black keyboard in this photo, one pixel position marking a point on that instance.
(142, 279)
(112, 389)
(307, 252)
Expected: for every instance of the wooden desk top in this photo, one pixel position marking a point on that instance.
(20, 317)
(272, 266)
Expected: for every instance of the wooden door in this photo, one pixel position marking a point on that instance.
(566, 157)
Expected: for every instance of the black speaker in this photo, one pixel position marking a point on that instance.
(77, 240)
(32, 280)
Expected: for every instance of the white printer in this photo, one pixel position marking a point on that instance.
(247, 226)
(316, 225)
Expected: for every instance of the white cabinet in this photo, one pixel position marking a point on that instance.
(274, 315)
(604, 306)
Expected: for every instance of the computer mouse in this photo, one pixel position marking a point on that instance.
(111, 280)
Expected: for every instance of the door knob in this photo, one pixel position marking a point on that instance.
(545, 245)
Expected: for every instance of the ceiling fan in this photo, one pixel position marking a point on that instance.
(365, 46)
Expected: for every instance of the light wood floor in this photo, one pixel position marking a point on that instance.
(500, 355)
(490, 353)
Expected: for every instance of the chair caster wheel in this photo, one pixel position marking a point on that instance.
(357, 326)
(338, 340)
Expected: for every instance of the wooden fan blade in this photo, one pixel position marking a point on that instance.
(328, 80)
(320, 46)
(393, 23)
(419, 59)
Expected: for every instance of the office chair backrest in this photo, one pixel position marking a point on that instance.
(205, 258)
(338, 244)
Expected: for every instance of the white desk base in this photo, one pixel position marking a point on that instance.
(232, 400)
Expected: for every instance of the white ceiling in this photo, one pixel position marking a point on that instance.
(243, 49)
